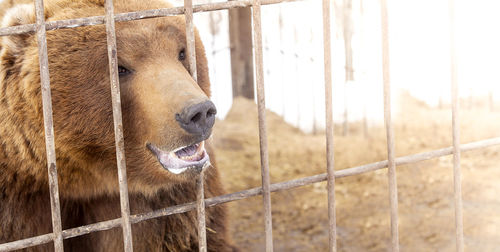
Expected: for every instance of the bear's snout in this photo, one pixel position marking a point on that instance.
(198, 119)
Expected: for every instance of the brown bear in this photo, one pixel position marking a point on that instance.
(167, 117)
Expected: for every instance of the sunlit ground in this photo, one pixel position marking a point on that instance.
(426, 208)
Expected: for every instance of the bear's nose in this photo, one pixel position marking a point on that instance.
(198, 119)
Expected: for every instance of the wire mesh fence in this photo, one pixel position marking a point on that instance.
(267, 187)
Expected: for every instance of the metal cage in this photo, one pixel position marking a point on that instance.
(126, 219)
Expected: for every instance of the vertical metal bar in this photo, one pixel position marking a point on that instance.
(118, 125)
(393, 189)
(48, 124)
(200, 209)
(330, 164)
(261, 102)
(200, 194)
(457, 173)
(190, 39)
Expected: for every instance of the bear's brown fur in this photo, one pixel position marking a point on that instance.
(158, 87)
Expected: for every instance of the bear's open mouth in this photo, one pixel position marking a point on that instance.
(181, 159)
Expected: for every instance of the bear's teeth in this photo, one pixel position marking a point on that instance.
(196, 155)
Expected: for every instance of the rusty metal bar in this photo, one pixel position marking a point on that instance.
(200, 194)
(190, 40)
(49, 127)
(122, 17)
(287, 185)
(200, 210)
(457, 172)
(261, 104)
(393, 186)
(25, 243)
(118, 125)
(87, 229)
(330, 164)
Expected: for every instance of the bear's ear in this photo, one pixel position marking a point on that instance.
(19, 15)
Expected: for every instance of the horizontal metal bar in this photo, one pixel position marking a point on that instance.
(87, 229)
(129, 16)
(105, 225)
(68, 233)
(29, 242)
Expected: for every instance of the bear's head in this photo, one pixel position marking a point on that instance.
(166, 114)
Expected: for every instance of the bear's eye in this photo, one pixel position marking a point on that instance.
(122, 71)
(182, 55)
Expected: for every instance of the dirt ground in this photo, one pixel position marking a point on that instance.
(425, 189)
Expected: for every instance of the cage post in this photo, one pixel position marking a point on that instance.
(48, 125)
(330, 164)
(240, 29)
(190, 40)
(118, 125)
(200, 195)
(393, 186)
(264, 155)
(457, 173)
(200, 210)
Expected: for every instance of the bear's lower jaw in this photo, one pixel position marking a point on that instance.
(182, 159)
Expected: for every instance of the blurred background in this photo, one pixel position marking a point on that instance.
(419, 40)
(420, 60)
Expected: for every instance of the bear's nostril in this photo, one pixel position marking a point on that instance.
(211, 113)
(196, 118)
